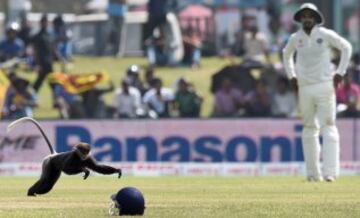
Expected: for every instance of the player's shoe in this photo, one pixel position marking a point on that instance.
(314, 179)
(330, 178)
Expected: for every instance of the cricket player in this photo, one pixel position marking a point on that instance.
(315, 79)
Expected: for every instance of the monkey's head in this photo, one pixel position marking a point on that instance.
(83, 150)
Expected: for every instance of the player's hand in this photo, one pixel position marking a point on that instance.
(119, 173)
(294, 84)
(86, 174)
(337, 80)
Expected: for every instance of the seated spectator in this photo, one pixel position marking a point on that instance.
(126, 100)
(247, 22)
(188, 102)
(158, 100)
(256, 45)
(284, 101)
(12, 46)
(149, 77)
(348, 94)
(192, 47)
(20, 98)
(165, 46)
(156, 51)
(258, 101)
(94, 103)
(228, 100)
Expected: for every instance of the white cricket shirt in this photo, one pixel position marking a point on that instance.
(158, 102)
(313, 55)
(127, 103)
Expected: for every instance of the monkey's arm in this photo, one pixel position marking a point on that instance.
(100, 168)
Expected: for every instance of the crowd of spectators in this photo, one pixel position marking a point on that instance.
(150, 99)
(37, 50)
(259, 89)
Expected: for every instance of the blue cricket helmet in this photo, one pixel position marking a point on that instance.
(129, 201)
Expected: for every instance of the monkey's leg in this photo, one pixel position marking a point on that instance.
(47, 180)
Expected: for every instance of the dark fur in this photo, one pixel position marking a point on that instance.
(69, 163)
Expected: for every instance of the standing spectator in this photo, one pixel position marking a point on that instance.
(126, 101)
(59, 26)
(284, 100)
(93, 102)
(258, 101)
(348, 94)
(62, 43)
(188, 102)
(25, 31)
(44, 49)
(228, 100)
(12, 46)
(64, 48)
(157, 10)
(116, 10)
(25, 35)
(159, 99)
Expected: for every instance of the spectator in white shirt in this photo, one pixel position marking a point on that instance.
(256, 45)
(159, 99)
(126, 101)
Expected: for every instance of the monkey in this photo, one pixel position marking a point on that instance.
(72, 162)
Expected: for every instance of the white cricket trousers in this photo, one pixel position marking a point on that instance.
(318, 108)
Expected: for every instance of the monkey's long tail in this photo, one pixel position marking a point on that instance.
(24, 119)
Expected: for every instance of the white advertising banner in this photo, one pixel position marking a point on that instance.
(191, 169)
(175, 141)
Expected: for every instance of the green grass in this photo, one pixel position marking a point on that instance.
(116, 67)
(187, 197)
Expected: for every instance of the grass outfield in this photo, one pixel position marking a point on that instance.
(187, 197)
(116, 67)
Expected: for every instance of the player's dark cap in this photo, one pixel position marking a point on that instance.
(309, 6)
